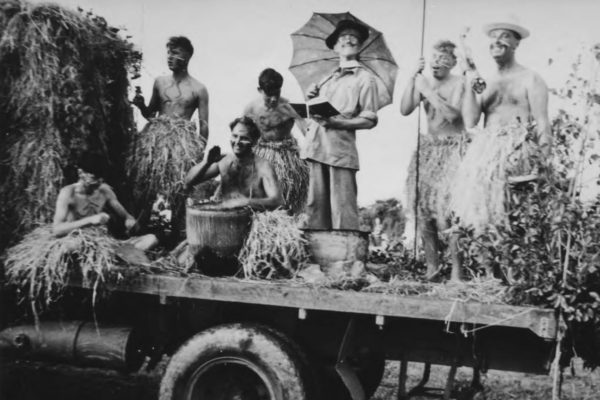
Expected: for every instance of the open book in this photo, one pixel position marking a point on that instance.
(316, 106)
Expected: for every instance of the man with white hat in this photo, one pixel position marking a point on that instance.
(516, 139)
(514, 93)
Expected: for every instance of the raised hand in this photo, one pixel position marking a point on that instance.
(214, 155)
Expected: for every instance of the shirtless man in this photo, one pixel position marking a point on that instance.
(513, 93)
(246, 180)
(175, 98)
(82, 204)
(275, 119)
(178, 94)
(442, 98)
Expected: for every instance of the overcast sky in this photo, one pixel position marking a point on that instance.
(236, 39)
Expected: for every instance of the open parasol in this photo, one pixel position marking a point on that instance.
(313, 61)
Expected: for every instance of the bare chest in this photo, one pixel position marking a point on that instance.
(177, 97)
(241, 180)
(84, 205)
(507, 92)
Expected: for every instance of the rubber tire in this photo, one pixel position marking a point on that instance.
(260, 346)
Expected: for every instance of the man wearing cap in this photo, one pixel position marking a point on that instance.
(515, 93)
(440, 151)
(83, 204)
(275, 119)
(331, 142)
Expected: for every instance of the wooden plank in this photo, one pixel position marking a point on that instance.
(539, 321)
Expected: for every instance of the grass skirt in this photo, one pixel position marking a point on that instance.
(291, 171)
(40, 265)
(479, 191)
(439, 160)
(160, 157)
(275, 247)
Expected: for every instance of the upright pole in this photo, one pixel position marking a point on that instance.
(416, 205)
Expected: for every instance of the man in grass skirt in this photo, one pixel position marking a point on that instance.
(169, 145)
(440, 151)
(275, 118)
(516, 135)
(84, 204)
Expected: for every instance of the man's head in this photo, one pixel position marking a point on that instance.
(347, 38)
(244, 135)
(443, 59)
(269, 86)
(179, 52)
(91, 170)
(504, 39)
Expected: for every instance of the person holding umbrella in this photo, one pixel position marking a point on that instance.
(331, 141)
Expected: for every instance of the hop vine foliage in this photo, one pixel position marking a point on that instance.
(549, 251)
(63, 90)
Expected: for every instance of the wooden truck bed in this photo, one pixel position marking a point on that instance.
(304, 297)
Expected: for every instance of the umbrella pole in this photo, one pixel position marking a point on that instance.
(416, 210)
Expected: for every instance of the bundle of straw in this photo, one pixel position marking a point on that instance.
(41, 264)
(63, 90)
(291, 171)
(160, 157)
(487, 291)
(439, 160)
(275, 247)
(479, 189)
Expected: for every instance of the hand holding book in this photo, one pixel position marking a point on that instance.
(317, 106)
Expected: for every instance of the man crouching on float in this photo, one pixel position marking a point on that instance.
(246, 180)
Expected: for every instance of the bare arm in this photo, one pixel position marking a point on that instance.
(472, 103)
(273, 197)
(410, 98)
(60, 225)
(203, 112)
(154, 105)
(269, 181)
(116, 205)
(537, 95)
(207, 169)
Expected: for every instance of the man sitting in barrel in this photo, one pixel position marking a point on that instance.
(83, 204)
(246, 180)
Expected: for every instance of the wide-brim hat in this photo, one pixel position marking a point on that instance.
(522, 32)
(362, 30)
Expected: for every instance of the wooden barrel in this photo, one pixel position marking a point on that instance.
(222, 230)
(331, 246)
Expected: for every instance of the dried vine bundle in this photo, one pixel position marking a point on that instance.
(478, 191)
(63, 90)
(161, 155)
(487, 291)
(275, 247)
(41, 264)
(291, 171)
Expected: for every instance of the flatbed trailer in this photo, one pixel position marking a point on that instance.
(290, 340)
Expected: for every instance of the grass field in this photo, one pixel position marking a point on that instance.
(36, 381)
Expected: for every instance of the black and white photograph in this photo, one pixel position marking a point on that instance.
(299, 200)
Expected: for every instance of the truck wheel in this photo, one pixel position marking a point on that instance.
(236, 361)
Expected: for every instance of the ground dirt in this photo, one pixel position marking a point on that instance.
(40, 381)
